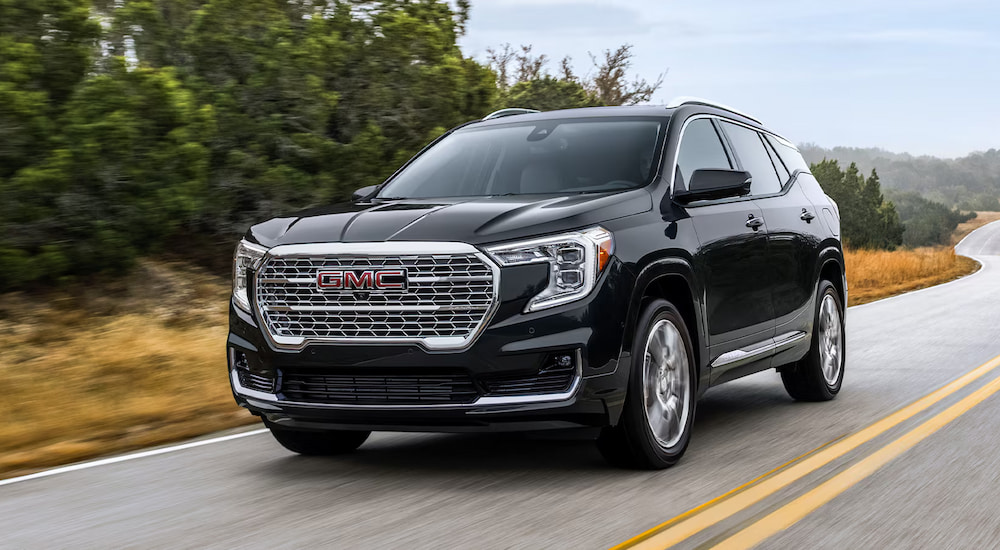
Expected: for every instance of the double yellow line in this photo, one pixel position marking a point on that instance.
(694, 521)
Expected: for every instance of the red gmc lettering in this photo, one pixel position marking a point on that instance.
(353, 280)
(380, 281)
(330, 279)
(362, 280)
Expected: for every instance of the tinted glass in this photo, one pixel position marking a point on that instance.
(783, 174)
(753, 156)
(793, 159)
(552, 156)
(700, 148)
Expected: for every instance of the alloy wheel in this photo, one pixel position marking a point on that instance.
(666, 383)
(831, 339)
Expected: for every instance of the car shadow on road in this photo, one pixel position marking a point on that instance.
(726, 417)
(455, 454)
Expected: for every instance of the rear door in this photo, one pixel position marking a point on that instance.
(791, 220)
(732, 255)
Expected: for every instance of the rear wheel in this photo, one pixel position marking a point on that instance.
(323, 443)
(655, 427)
(819, 375)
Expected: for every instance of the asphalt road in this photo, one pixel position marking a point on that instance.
(472, 491)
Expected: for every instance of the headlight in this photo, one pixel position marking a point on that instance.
(575, 261)
(248, 256)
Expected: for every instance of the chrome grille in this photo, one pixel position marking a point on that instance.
(448, 297)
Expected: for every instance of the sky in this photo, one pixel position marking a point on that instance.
(915, 76)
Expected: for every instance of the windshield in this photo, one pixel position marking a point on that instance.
(550, 156)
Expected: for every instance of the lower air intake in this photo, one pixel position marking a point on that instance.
(552, 380)
(368, 388)
(256, 382)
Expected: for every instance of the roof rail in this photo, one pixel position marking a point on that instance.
(509, 112)
(686, 100)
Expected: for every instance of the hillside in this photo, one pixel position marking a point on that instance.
(969, 183)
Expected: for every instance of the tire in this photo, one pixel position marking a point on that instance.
(325, 443)
(819, 375)
(655, 426)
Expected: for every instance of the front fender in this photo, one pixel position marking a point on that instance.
(672, 278)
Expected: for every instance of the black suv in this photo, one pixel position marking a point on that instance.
(591, 267)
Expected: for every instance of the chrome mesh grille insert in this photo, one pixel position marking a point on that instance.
(448, 296)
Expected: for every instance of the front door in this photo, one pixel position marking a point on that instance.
(733, 258)
(733, 251)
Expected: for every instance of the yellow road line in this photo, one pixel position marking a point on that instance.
(694, 521)
(725, 495)
(790, 513)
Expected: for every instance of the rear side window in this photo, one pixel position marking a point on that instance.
(752, 154)
(700, 148)
(793, 160)
(783, 174)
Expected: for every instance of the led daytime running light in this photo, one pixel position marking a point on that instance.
(575, 262)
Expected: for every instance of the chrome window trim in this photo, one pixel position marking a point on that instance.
(680, 139)
(390, 248)
(784, 142)
(480, 403)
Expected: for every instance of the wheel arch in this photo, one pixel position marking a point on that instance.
(831, 266)
(673, 280)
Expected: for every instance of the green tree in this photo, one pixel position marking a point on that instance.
(548, 93)
(45, 51)
(611, 84)
(129, 169)
(926, 222)
(523, 80)
(46, 47)
(127, 123)
(983, 202)
(971, 182)
(867, 219)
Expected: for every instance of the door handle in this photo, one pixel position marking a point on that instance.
(754, 223)
(807, 216)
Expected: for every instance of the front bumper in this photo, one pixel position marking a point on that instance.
(487, 413)
(590, 330)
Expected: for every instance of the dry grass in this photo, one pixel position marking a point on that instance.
(116, 368)
(876, 274)
(981, 219)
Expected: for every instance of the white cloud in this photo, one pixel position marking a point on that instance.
(851, 72)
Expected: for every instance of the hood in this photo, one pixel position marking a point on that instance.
(473, 220)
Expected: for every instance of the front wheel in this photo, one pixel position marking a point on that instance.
(325, 443)
(655, 426)
(819, 375)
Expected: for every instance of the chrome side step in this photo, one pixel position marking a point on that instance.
(759, 350)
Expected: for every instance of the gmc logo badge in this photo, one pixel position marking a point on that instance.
(362, 279)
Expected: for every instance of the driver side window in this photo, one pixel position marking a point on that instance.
(700, 148)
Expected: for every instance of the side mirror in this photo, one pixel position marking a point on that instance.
(364, 193)
(714, 184)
